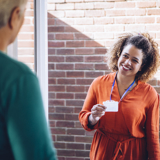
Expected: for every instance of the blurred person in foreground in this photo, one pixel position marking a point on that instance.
(121, 106)
(24, 134)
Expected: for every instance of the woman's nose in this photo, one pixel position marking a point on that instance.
(128, 61)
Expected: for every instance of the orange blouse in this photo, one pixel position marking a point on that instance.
(132, 133)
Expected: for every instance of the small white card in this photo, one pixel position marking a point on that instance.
(112, 106)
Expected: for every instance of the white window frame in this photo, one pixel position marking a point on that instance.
(40, 47)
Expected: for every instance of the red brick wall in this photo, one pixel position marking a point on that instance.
(79, 32)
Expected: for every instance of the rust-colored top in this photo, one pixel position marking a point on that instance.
(137, 118)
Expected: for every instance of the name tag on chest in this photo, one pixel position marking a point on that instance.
(112, 106)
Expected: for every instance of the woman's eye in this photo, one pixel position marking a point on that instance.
(125, 56)
(135, 61)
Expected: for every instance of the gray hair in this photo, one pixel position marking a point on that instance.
(6, 8)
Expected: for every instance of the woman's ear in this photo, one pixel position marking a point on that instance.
(12, 23)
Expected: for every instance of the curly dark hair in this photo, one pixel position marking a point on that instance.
(143, 41)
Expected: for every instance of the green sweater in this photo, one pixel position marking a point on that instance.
(24, 134)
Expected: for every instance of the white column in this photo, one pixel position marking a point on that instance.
(41, 48)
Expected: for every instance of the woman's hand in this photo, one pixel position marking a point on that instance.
(97, 112)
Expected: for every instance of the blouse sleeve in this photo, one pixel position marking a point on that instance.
(152, 130)
(89, 102)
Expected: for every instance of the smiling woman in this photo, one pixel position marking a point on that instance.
(131, 131)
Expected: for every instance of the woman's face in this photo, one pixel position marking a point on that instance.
(130, 61)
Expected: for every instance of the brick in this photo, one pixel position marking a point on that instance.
(51, 109)
(71, 117)
(84, 81)
(74, 14)
(64, 96)
(51, 95)
(51, 37)
(56, 102)
(75, 29)
(27, 29)
(64, 36)
(93, 74)
(56, 1)
(27, 21)
(53, 137)
(52, 123)
(64, 21)
(114, 28)
(153, 82)
(51, 67)
(55, 59)
(26, 59)
(66, 6)
(153, 11)
(64, 110)
(89, 133)
(153, 27)
(56, 74)
(80, 96)
(75, 131)
(158, 35)
(125, 20)
(64, 124)
(103, 21)
(93, 59)
(92, 44)
(158, 19)
(84, 51)
(145, 20)
(59, 145)
(158, 4)
(102, 5)
(83, 139)
(84, 6)
(75, 146)
(74, 102)
(56, 29)
(53, 14)
(75, 44)
(78, 125)
(57, 88)
(51, 51)
(74, 59)
(56, 44)
(51, 81)
(75, 89)
(101, 67)
(136, 12)
(66, 81)
(84, 21)
(157, 89)
(29, 13)
(26, 51)
(94, 28)
(25, 36)
(80, 36)
(64, 66)
(93, 0)
(84, 67)
(57, 131)
(51, 7)
(146, 4)
(125, 5)
(26, 44)
(135, 27)
(82, 153)
(94, 13)
(103, 35)
(100, 50)
(65, 153)
(115, 12)
(65, 51)
(75, 74)
(88, 146)
(74, 0)
(75, 158)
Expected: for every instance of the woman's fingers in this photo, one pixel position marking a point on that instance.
(98, 107)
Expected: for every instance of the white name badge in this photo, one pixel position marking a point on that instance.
(112, 106)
